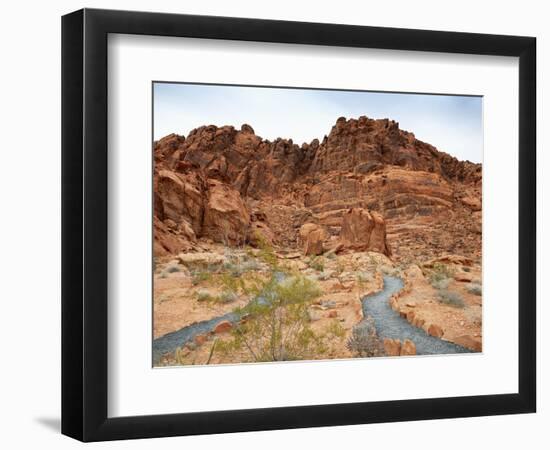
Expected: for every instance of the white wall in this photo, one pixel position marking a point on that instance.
(30, 236)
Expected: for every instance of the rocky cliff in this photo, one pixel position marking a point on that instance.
(366, 185)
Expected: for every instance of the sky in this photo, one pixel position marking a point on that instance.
(451, 123)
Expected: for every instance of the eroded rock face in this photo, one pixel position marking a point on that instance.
(364, 231)
(312, 238)
(427, 202)
(226, 217)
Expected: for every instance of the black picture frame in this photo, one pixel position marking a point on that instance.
(84, 224)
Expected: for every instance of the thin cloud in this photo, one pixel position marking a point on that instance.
(451, 123)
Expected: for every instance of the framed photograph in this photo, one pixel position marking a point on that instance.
(273, 224)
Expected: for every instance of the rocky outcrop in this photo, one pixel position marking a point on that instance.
(364, 231)
(226, 218)
(312, 237)
(429, 201)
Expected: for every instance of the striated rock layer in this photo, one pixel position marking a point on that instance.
(368, 185)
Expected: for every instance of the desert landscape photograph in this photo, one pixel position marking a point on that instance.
(308, 224)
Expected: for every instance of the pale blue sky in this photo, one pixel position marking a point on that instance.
(451, 123)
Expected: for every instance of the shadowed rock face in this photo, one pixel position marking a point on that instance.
(231, 186)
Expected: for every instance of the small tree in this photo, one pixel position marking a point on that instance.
(276, 324)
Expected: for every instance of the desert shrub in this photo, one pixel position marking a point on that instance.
(451, 298)
(441, 284)
(466, 269)
(473, 315)
(250, 265)
(331, 254)
(199, 276)
(234, 269)
(439, 273)
(231, 283)
(373, 262)
(364, 340)
(172, 269)
(336, 329)
(363, 277)
(317, 263)
(266, 253)
(474, 288)
(204, 296)
(277, 323)
(323, 276)
(227, 297)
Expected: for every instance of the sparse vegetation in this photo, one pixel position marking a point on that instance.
(200, 276)
(441, 276)
(451, 299)
(441, 284)
(474, 288)
(364, 340)
(277, 326)
(173, 269)
(317, 263)
(204, 296)
(227, 297)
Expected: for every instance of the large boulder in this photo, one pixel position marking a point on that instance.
(312, 237)
(364, 230)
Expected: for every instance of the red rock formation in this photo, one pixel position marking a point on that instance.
(363, 230)
(312, 237)
(216, 182)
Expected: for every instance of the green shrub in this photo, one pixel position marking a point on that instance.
(277, 328)
(172, 269)
(317, 263)
(364, 277)
(227, 297)
(199, 276)
(204, 296)
(439, 273)
(451, 299)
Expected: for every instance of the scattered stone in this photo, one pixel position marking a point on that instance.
(328, 304)
(392, 347)
(200, 339)
(223, 327)
(435, 330)
(408, 348)
(463, 277)
(201, 259)
(468, 341)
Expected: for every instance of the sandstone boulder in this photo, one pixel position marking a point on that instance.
(223, 327)
(363, 230)
(312, 237)
(435, 330)
(392, 347)
(408, 348)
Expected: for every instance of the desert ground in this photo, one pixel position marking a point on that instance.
(364, 244)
